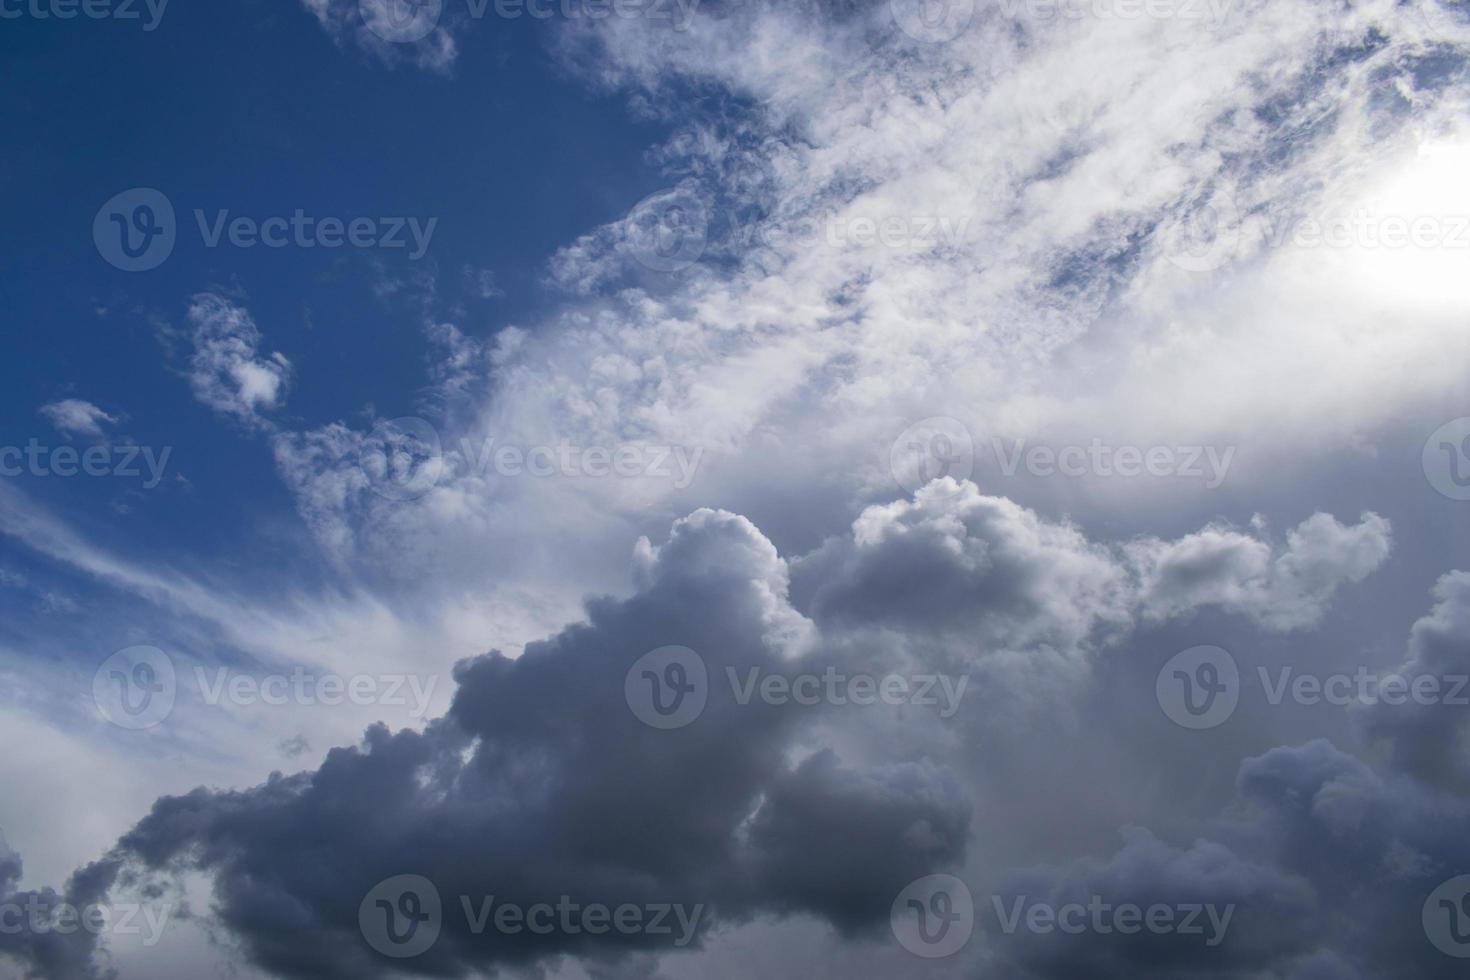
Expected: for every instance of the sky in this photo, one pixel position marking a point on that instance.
(709, 488)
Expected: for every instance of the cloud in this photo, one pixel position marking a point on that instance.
(74, 416)
(1285, 591)
(390, 31)
(541, 782)
(226, 370)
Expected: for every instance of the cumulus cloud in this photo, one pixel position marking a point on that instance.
(1281, 591)
(74, 416)
(541, 782)
(955, 560)
(226, 370)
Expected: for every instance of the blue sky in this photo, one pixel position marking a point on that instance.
(1087, 363)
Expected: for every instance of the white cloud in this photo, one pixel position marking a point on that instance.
(226, 370)
(74, 416)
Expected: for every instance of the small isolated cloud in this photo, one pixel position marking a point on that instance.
(226, 370)
(480, 283)
(74, 416)
(389, 30)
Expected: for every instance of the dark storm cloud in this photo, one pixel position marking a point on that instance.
(1329, 861)
(42, 930)
(541, 782)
